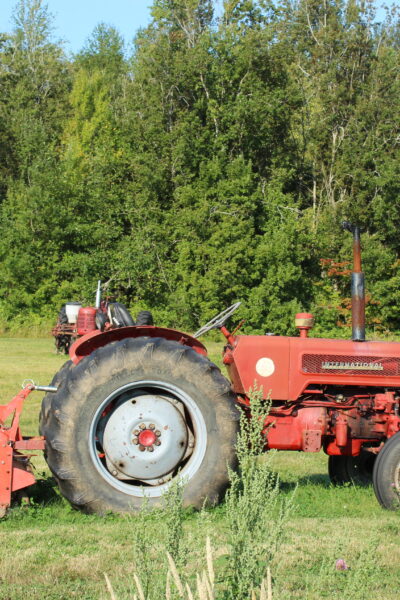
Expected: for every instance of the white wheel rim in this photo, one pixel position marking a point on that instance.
(197, 429)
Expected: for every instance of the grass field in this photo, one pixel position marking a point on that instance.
(50, 551)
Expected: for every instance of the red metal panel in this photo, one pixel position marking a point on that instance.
(6, 454)
(21, 479)
(388, 353)
(14, 474)
(295, 356)
(301, 432)
(33, 443)
(262, 361)
(86, 320)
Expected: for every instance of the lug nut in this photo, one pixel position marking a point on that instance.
(135, 441)
(142, 448)
(158, 433)
(152, 426)
(150, 449)
(157, 443)
(136, 432)
(142, 426)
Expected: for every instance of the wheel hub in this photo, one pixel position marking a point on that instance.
(145, 438)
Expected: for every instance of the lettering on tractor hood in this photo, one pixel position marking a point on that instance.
(357, 366)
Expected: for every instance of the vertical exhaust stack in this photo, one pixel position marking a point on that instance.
(357, 286)
(98, 295)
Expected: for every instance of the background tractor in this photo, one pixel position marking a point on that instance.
(75, 320)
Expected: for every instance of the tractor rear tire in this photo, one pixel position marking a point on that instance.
(386, 476)
(135, 416)
(352, 469)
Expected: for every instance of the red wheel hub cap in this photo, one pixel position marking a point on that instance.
(147, 437)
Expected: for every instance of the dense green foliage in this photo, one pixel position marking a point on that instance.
(212, 163)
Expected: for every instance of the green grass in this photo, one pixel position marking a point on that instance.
(50, 551)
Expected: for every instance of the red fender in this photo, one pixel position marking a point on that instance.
(97, 339)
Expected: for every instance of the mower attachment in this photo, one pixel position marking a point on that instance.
(15, 470)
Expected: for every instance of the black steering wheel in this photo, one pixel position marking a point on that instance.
(217, 321)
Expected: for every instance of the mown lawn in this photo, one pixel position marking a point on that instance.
(50, 551)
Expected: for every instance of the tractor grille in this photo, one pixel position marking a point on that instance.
(350, 365)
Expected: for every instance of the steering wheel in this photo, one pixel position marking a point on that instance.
(217, 321)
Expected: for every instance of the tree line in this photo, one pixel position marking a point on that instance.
(212, 161)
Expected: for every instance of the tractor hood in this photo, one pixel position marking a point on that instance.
(286, 366)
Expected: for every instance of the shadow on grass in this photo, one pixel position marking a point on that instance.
(45, 492)
(321, 480)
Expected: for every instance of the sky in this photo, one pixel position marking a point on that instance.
(76, 19)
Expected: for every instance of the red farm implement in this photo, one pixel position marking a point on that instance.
(15, 471)
(139, 406)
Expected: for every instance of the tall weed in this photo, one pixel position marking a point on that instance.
(174, 516)
(255, 511)
(147, 537)
(203, 589)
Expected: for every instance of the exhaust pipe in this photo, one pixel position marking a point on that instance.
(357, 286)
(98, 295)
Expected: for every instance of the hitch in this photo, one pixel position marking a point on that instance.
(15, 472)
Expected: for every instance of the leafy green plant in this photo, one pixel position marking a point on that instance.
(255, 511)
(173, 518)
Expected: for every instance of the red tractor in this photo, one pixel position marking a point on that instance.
(139, 406)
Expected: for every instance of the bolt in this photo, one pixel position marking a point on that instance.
(157, 443)
(152, 426)
(161, 481)
(158, 433)
(150, 449)
(142, 426)
(142, 448)
(2, 462)
(115, 473)
(191, 444)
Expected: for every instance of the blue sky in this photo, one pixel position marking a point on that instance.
(76, 19)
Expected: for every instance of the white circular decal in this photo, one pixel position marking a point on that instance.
(265, 367)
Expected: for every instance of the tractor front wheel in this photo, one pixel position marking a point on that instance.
(352, 469)
(386, 476)
(135, 416)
